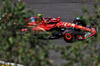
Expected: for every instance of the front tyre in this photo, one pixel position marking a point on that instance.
(68, 37)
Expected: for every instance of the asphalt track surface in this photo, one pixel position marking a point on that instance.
(58, 8)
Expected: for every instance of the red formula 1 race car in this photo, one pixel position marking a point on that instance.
(55, 28)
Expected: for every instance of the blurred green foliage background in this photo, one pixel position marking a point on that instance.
(14, 47)
(29, 51)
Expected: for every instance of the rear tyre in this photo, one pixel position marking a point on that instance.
(68, 37)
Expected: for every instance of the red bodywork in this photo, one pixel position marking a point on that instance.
(44, 21)
(51, 23)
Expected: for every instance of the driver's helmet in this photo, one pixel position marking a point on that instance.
(32, 19)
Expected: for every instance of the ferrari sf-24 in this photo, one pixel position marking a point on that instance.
(55, 28)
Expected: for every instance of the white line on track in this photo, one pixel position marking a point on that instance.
(9, 64)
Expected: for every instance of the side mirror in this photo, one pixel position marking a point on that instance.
(59, 17)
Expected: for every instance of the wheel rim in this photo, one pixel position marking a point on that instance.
(68, 36)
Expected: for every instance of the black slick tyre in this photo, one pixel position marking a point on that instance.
(68, 37)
